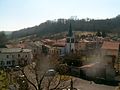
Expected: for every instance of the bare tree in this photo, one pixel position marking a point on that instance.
(36, 74)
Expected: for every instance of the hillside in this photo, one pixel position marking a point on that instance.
(8, 32)
(61, 25)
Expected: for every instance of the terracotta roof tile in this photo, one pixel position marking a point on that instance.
(110, 45)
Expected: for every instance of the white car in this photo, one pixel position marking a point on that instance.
(50, 72)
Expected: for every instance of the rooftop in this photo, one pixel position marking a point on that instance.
(110, 45)
(13, 50)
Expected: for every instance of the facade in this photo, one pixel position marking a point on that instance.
(110, 48)
(109, 52)
(14, 56)
(35, 47)
(57, 50)
(98, 71)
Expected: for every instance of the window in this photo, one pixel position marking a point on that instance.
(2, 63)
(8, 62)
(57, 51)
(7, 56)
(60, 51)
(72, 40)
(13, 56)
(34, 50)
(18, 55)
(26, 56)
(68, 40)
(13, 62)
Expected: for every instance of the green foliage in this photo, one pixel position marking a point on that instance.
(3, 80)
(62, 25)
(104, 34)
(3, 39)
(72, 60)
(62, 69)
(101, 34)
(2, 46)
(23, 84)
(98, 34)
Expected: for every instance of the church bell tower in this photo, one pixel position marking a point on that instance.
(70, 41)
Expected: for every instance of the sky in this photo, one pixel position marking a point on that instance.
(19, 14)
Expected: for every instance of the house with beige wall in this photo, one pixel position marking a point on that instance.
(15, 56)
(110, 52)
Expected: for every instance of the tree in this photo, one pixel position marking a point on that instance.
(37, 75)
(3, 39)
(98, 34)
(49, 27)
(72, 60)
(104, 34)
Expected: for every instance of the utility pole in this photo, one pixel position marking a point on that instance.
(71, 84)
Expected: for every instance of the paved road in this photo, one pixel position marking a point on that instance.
(85, 85)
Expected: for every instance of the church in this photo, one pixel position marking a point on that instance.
(70, 41)
(62, 46)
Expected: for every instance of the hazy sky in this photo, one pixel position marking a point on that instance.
(18, 14)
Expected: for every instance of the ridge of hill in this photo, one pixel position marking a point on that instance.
(61, 25)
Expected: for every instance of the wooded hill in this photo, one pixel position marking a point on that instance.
(62, 25)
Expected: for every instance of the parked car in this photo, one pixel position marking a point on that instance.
(50, 72)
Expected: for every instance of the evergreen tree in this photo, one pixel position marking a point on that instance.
(3, 39)
(104, 34)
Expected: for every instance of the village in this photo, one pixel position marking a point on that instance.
(90, 56)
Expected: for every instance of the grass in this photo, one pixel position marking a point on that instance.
(90, 59)
(65, 77)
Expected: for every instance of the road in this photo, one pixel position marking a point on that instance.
(81, 84)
